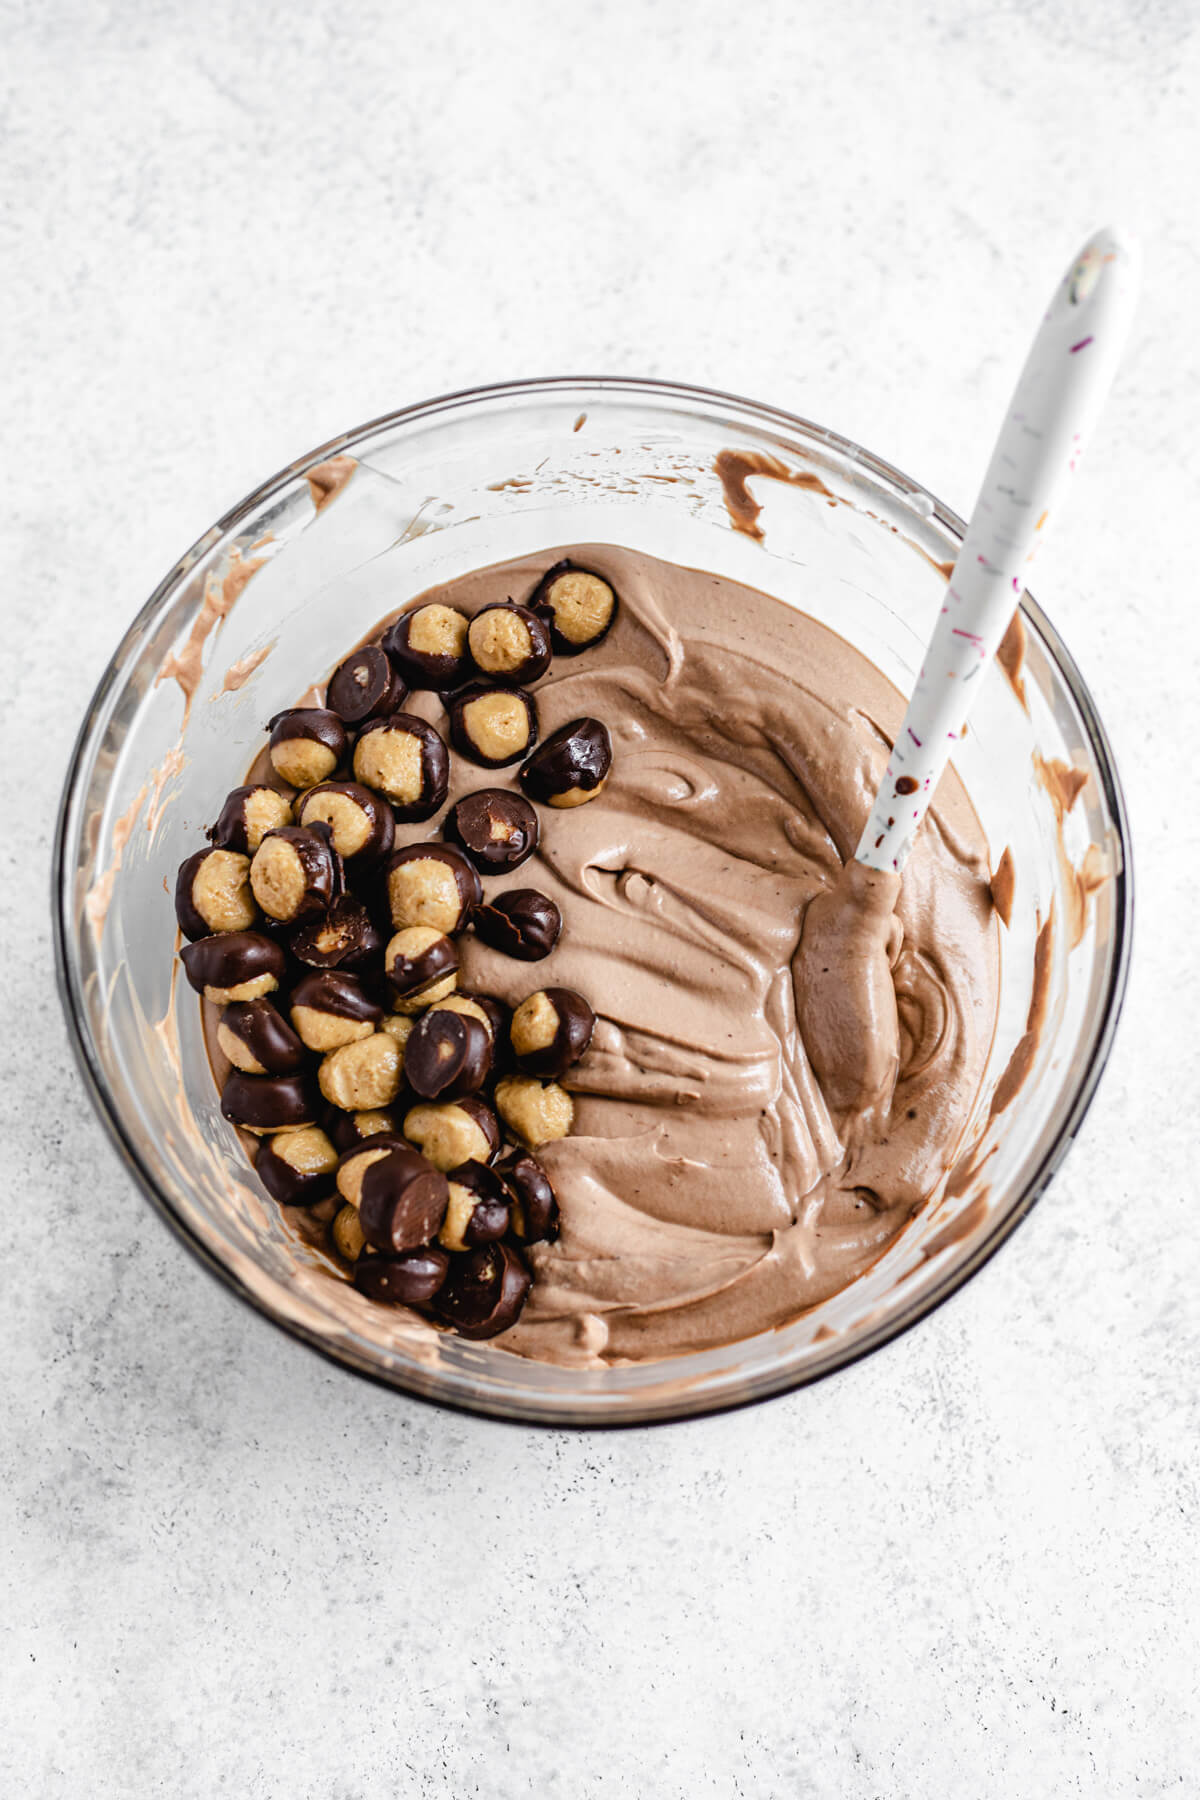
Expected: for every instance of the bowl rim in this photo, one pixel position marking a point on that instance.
(766, 1386)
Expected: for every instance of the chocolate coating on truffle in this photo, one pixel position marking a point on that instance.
(268, 1102)
(429, 646)
(431, 884)
(306, 744)
(411, 1279)
(265, 1036)
(495, 827)
(296, 1167)
(349, 1130)
(330, 1007)
(572, 765)
(493, 725)
(448, 1055)
(366, 686)
(219, 966)
(405, 759)
(485, 1007)
(212, 893)
(521, 922)
(357, 1158)
(509, 644)
(247, 815)
(578, 605)
(334, 991)
(296, 873)
(403, 1201)
(535, 1214)
(362, 824)
(418, 958)
(479, 1209)
(550, 1031)
(484, 1292)
(346, 937)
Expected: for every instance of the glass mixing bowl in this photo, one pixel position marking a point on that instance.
(472, 479)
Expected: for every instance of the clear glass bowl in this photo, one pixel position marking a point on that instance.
(439, 489)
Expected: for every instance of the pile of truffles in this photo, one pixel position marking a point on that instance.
(401, 1110)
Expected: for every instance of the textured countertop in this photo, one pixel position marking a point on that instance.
(965, 1567)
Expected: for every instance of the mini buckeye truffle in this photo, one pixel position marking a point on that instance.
(479, 1209)
(330, 1008)
(431, 884)
(346, 1233)
(362, 825)
(399, 1026)
(484, 1292)
(535, 1208)
(236, 965)
(454, 1132)
(571, 767)
(346, 937)
(366, 686)
(521, 922)
(509, 644)
(447, 1055)
(212, 894)
(577, 605)
(296, 1167)
(296, 873)
(347, 1130)
(550, 1031)
(483, 1007)
(406, 760)
(362, 1075)
(247, 816)
(421, 966)
(403, 1200)
(497, 828)
(493, 725)
(356, 1159)
(536, 1112)
(411, 1279)
(258, 1040)
(429, 646)
(268, 1102)
(307, 743)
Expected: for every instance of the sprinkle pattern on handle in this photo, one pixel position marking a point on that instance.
(1057, 399)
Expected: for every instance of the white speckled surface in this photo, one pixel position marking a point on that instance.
(967, 1567)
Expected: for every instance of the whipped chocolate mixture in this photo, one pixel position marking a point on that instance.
(713, 1187)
